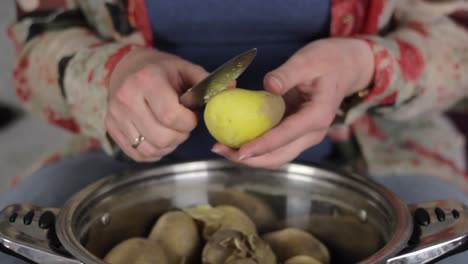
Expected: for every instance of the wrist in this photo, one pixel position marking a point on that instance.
(364, 59)
(365, 62)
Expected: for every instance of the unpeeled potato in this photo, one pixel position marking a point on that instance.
(255, 208)
(137, 251)
(177, 234)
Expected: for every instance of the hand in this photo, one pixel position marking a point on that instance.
(144, 100)
(314, 82)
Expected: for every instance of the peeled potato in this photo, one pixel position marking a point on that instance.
(291, 242)
(231, 246)
(137, 251)
(302, 260)
(177, 234)
(255, 208)
(236, 116)
(221, 217)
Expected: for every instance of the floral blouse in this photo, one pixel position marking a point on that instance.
(67, 50)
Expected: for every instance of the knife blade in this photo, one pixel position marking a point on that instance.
(217, 81)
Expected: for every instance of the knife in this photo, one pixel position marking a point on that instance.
(217, 81)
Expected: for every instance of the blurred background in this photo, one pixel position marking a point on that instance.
(24, 139)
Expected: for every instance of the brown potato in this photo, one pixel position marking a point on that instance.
(291, 242)
(255, 208)
(137, 251)
(231, 246)
(221, 217)
(177, 234)
(302, 260)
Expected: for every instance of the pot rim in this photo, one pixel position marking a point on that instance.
(65, 232)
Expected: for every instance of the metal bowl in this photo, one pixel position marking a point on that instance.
(358, 220)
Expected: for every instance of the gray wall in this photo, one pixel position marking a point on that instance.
(6, 53)
(28, 139)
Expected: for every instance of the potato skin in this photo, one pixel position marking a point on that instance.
(221, 217)
(137, 251)
(231, 246)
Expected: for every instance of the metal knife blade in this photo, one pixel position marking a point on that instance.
(217, 81)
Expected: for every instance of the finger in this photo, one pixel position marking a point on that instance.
(192, 74)
(122, 141)
(153, 153)
(147, 151)
(126, 119)
(295, 71)
(315, 115)
(232, 85)
(285, 154)
(164, 104)
(166, 151)
(276, 158)
(131, 131)
(225, 151)
(154, 132)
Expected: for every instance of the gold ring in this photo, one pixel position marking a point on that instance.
(138, 141)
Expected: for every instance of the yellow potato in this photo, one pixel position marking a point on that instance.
(137, 251)
(236, 116)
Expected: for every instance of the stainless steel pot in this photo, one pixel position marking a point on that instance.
(360, 221)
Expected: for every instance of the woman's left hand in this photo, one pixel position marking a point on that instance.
(314, 82)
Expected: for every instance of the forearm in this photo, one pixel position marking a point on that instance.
(63, 77)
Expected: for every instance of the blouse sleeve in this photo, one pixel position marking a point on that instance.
(420, 69)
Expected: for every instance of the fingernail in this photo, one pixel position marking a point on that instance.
(216, 150)
(245, 156)
(276, 83)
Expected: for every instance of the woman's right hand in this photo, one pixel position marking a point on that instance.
(144, 101)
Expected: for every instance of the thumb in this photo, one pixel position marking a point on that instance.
(292, 73)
